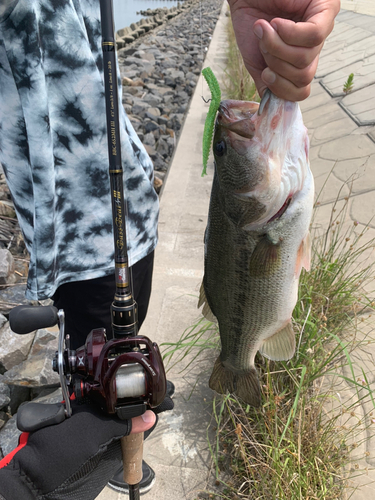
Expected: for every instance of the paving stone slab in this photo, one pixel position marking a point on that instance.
(345, 148)
(321, 167)
(363, 21)
(355, 18)
(323, 212)
(361, 105)
(359, 6)
(344, 15)
(320, 115)
(315, 101)
(364, 76)
(363, 209)
(333, 130)
(345, 56)
(358, 172)
(326, 191)
(342, 37)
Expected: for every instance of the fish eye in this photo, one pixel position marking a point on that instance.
(220, 148)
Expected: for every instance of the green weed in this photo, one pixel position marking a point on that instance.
(348, 85)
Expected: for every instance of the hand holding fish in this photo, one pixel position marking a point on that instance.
(280, 41)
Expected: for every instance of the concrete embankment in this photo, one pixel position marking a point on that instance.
(160, 72)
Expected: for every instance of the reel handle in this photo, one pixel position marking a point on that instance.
(26, 319)
(132, 451)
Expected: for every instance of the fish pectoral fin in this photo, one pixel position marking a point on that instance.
(245, 386)
(265, 259)
(304, 255)
(281, 346)
(206, 311)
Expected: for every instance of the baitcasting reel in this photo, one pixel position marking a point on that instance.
(124, 376)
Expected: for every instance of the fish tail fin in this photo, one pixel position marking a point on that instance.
(248, 388)
(245, 386)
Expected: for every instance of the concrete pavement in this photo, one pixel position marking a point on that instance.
(342, 133)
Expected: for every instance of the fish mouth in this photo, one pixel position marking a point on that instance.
(238, 117)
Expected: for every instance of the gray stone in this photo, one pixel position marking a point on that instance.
(14, 348)
(4, 393)
(150, 151)
(153, 113)
(150, 126)
(18, 395)
(162, 147)
(146, 55)
(7, 208)
(175, 74)
(37, 370)
(6, 266)
(4, 417)
(149, 139)
(153, 100)
(142, 64)
(11, 297)
(9, 436)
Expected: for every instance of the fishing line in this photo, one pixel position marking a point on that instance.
(201, 37)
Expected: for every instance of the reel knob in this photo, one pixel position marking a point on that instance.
(26, 319)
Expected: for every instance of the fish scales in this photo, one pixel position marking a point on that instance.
(257, 238)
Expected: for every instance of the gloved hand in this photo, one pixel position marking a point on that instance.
(74, 459)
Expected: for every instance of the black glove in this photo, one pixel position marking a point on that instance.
(74, 459)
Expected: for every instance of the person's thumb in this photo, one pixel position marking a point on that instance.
(143, 422)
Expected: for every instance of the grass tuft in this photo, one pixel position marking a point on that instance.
(297, 445)
(237, 83)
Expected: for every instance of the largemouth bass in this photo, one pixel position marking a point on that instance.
(257, 237)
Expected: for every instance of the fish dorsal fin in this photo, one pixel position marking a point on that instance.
(281, 346)
(206, 311)
(265, 259)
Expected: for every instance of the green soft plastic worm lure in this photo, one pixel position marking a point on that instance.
(209, 124)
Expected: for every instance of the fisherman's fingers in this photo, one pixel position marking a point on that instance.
(143, 423)
(299, 77)
(285, 88)
(270, 43)
(312, 30)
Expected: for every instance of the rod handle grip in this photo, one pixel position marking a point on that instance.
(132, 453)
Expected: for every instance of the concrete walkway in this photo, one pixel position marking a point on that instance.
(342, 132)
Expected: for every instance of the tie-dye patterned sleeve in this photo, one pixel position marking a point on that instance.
(53, 145)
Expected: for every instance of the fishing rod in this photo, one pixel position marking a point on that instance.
(124, 375)
(124, 317)
(124, 308)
